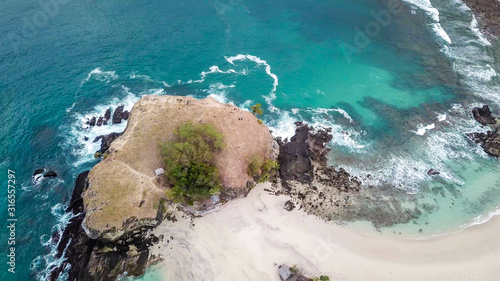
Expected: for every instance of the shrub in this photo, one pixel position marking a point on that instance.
(322, 278)
(256, 109)
(261, 170)
(260, 121)
(189, 163)
(254, 166)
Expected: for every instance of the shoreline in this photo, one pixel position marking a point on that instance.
(487, 14)
(248, 238)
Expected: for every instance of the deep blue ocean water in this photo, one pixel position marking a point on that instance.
(398, 103)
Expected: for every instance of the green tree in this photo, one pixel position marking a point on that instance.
(189, 162)
(257, 109)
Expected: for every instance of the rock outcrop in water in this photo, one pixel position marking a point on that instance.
(306, 176)
(483, 115)
(118, 115)
(489, 141)
(106, 141)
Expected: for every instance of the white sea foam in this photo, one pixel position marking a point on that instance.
(328, 110)
(134, 75)
(84, 150)
(440, 147)
(283, 126)
(474, 27)
(471, 60)
(421, 129)
(45, 263)
(218, 92)
(100, 75)
(346, 137)
(272, 95)
(433, 13)
(481, 219)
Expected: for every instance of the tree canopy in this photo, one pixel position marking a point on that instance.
(188, 160)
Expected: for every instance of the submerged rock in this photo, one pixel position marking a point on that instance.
(488, 16)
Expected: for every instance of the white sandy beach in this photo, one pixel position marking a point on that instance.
(248, 238)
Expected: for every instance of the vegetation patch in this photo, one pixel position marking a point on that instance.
(257, 109)
(189, 162)
(321, 278)
(261, 170)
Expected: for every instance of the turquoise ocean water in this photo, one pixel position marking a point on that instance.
(398, 100)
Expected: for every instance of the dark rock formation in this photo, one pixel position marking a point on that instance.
(306, 151)
(297, 155)
(92, 122)
(342, 180)
(483, 115)
(433, 172)
(106, 141)
(289, 206)
(118, 115)
(92, 259)
(100, 121)
(38, 171)
(126, 115)
(50, 174)
(85, 138)
(318, 188)
(107, 115)
(489, 141)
